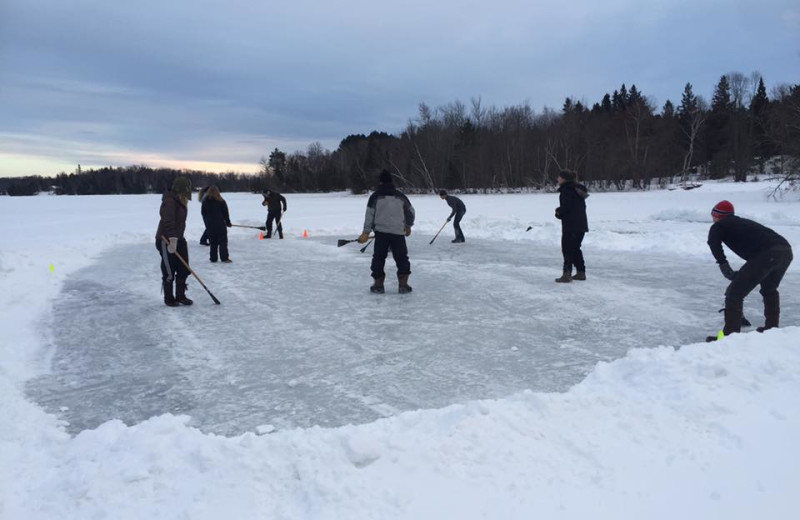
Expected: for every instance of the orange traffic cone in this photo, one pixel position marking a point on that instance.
(261, 235)
(305, 233)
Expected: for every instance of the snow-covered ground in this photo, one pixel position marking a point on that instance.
(489, 392)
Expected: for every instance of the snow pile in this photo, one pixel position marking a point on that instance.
(708, 431)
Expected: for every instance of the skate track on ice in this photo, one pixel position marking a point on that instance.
(299, 341)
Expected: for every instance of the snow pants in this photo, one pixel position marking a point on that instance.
(571, 249)
(383, 243)
(766, 269)
(457, 226)
(219, 245)
(274, 216)
(171, 267)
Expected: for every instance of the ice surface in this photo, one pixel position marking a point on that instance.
(299, 341)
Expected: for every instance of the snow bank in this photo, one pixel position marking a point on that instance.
(708, 431)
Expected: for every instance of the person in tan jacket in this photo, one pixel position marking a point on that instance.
(172, 226)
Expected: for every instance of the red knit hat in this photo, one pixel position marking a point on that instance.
(722, 209)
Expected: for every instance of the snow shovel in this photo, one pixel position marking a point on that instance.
(192, 271)
(440, 230)
(262, 228)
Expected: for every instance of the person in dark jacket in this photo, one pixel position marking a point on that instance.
(274, 200)
(574, 225)
(217, 220)
(458, 207)
(767, 256)
(391, 215)
(201, 195)
(172, 226)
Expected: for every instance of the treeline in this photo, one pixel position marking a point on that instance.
(621, 141)
(127, 180)
(618, 142)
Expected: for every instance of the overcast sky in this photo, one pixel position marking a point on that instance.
(217, 84)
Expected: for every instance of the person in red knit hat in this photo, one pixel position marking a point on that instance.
(767, 256)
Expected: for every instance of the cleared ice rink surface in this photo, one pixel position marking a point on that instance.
(299, 341)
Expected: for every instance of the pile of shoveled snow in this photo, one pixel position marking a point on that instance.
(707, 431)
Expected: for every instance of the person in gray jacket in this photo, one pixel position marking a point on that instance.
(391, 215)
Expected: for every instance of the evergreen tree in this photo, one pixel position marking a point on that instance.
(686, 111)
(759, 108)
(668, 111)
(634, 96)
(605, 104)
(277, 162)
(719, 129)
(623, 96)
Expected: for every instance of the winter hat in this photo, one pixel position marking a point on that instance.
(442, 193)
(385, 177)
(567, 175)
(722, 209)
(182, 186)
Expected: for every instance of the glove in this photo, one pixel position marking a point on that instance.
(229, 224)
(449, 219)
(558, 213)
(172, 247)
(408, 231)
(363, 237)
(727, 272)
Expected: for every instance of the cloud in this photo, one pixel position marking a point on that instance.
(178, 78)
(792, 18)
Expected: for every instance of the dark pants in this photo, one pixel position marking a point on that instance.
(171, 267)
(383, 243)
(767, 269)
(274, 216)
(571, 249)
(204, 238)
(219, 242)
(457, 227)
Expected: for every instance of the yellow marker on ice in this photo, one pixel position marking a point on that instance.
(720, 335)
(52, 268)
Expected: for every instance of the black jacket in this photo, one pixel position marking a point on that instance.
(457, 205)
(572, 207)
(215, 215)
(273, 201)
(744, 237)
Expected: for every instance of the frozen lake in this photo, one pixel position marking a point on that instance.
(299, 341)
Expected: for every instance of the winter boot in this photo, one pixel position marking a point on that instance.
(733, 317)
(377, 287)
(169, 297)
(280, 234)
(772, 312)
(180, 293)
(580, 275)
(565, 278)
(402, 284)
